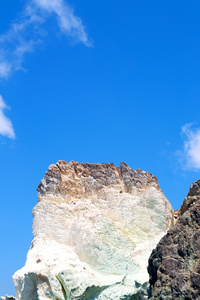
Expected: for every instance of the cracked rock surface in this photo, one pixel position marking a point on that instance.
(94, 228)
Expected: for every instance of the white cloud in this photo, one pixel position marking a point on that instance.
(68, 22)
(26, 32)
(6, 127)
(5, 69)
(191, 152)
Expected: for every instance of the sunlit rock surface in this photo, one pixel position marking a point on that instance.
(94, 228)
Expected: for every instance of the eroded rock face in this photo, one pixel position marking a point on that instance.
(94, 228)
(174, 266)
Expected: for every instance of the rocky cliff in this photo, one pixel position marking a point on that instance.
(94, 228)
(174, 266)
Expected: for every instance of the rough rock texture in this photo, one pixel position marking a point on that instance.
(192, 197)
(94, 228)
(174, 266)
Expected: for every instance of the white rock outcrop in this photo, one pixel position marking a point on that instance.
(94, 228)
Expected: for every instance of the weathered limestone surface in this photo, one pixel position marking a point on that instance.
(174, 266)
(94, 228)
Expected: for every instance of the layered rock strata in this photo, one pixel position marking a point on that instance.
(174, 266)
(94, 228)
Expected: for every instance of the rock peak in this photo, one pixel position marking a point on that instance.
(94, 228)
(192, 197)
(84, 179)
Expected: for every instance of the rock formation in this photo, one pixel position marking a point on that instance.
(94, 228)
(174, 266)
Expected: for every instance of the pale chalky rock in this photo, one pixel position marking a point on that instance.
(94, 228)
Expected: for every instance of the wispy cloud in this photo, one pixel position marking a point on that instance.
(27, 31)
(190, 155)
(68, 22)
(5, 69)
(6, 127)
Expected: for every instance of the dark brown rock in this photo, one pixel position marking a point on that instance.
(192, 197)
(174, 266)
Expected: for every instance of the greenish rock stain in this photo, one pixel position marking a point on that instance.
(92, 292)
(65, 291)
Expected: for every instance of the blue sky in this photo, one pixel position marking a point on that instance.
(94, 81)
